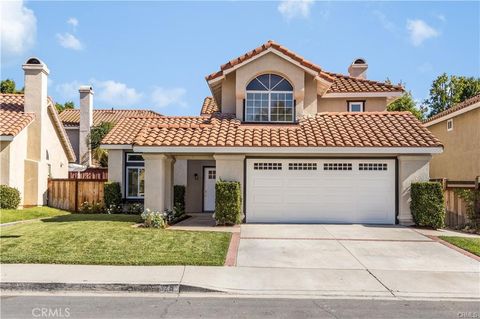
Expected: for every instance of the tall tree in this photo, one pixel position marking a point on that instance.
(97, 133)
(406, 103)
(8, 86)
(447, 91)
(66, 105)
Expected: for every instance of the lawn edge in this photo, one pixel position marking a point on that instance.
(452, 246)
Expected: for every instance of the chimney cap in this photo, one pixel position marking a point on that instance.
(85, 89)
(34, 63)
(359, 61)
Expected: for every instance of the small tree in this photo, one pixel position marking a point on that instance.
(406, 103)
(66, 105)
(97, 133)
(9, 86)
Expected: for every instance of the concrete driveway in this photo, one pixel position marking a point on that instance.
(400, 259)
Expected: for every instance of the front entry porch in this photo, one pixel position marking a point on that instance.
(198, 173)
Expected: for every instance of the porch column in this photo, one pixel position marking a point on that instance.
(155, 175)
(411, 169)
(230, 168)
(169, 183)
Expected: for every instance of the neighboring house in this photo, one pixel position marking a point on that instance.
(459, 130)
(305, 144)
(33, 143)
(78, 122)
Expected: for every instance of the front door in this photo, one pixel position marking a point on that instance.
(209, 178)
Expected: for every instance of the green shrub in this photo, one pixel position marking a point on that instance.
(179, 199)
(9, 197)
(428, 204)
(134, 208)
(154, 219)
(112, 197)
(228, 203)
(95, 208)
(471, 197)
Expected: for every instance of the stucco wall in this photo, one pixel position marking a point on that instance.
(194, 194)
(180, 172)
(73, 136)
(115, 167)
(57, 159)
(228, 94)
(460, 160)
(372, 104)
(410, 169)
(268, 63)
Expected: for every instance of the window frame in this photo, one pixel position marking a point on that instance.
(133, 161)
(349, 106)
(138, 168)
(449, 127)
(269, 94)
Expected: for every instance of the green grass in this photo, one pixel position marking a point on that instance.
(467, 243)
(108, 240)
(13, 215)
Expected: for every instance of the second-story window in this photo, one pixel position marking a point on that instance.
(356, 106)
(269, 99)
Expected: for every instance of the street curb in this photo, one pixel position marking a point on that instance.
(100, 287)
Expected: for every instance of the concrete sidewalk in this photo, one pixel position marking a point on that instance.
(243, 280)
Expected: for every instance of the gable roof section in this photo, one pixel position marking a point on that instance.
(340, 83)
(209, 106)
(13, 120)
(460, 106)
(374, 129)
(71, 117)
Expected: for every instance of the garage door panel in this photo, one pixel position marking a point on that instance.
(321, 190)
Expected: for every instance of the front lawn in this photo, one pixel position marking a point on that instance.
(110, 240)
(467, 243)
(13, 215)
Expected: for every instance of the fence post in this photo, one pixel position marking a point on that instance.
(76, 195)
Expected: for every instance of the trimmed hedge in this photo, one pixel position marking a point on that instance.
(112, 195)
(428, 204)
(179, 198)
(228, 203)
(9, 197)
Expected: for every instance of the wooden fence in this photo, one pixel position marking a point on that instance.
(69, 194)
(90, 173)
(455, 207)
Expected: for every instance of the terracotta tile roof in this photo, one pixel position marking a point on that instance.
(12, 117)
(209, 106)
(71, 117)
(372, 129)
(459, 106)
(348, 84)
(340, 83)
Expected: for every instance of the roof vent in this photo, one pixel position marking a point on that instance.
(358, 68)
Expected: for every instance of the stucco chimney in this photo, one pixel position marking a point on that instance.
(86, 122)
(36, 101)
(358, 68)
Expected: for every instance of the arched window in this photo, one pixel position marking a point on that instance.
(269, 99)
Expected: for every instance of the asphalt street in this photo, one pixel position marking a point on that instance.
(54, 306)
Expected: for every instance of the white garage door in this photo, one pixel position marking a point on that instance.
(320, 191)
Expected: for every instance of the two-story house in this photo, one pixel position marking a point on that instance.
(306, 145)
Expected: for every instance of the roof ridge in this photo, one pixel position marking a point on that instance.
(470, 101)
(362, 80)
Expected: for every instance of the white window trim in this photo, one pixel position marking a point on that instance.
(133, 161)
(449, 128)
(356, 102)
(269, 105)
(138, 182)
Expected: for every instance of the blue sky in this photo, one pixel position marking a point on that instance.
(156, 54)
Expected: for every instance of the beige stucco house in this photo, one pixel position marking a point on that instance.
(33, 142)
(306, 145)
(459, 130)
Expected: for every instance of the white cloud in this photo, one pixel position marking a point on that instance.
(69, 41)
(116, 93)
(73, 22)
(162, 97)
(420, 31)
(441, 17)
(18, 28)
(384, 21)
(69, 90)
(295, 8)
